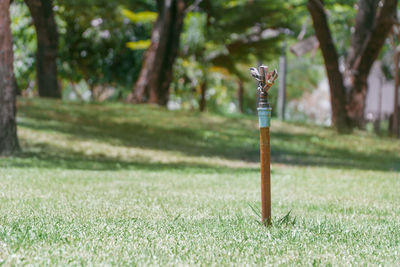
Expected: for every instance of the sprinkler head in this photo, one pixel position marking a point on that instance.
(265, 80)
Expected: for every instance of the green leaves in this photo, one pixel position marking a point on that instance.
(138, 45)
(139, 17)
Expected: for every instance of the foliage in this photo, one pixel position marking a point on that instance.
(220, 35)
(247, 33)
(139, 17)
(139, 45)
(304, 74)
(341, 20)
(92, 42)
(92, 45)
(189, 75)
(24, 44)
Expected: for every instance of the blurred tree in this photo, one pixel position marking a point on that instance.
(156, 73)
(8, 128)
(193, 49)
(372, 25)
(47, 45)
(93, 37)
(223, 35)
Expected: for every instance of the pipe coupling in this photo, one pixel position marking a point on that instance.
(264, 117)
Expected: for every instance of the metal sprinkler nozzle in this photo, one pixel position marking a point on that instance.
(265, 80)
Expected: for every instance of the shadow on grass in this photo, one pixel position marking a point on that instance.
(338, 157)
(152, 129)
(51, 157)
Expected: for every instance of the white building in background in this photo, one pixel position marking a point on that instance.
(380, 97)
(316, 105)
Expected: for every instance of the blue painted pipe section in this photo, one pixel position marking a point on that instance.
(264, 117)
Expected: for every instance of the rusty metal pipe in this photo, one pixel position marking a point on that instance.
(264, 116)
(265, 159)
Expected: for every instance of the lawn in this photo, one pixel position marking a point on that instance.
(115, 184)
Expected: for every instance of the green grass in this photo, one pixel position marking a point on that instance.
(114, 184)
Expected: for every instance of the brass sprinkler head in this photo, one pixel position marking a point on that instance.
(265, 80)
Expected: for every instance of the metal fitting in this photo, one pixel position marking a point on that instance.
(265, 81)
(264, 117)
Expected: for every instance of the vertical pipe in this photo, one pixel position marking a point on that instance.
(240, 94)
(377, 121)
(264, 115)
(282, 83)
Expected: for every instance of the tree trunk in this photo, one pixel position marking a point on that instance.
(375, 32)
(8, 127)
(365, 19)
(203, 90)
(337, 90)
(156, 74)
(47, 44)
(240, 95)
(356, 101)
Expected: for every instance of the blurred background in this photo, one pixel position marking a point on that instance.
(199, 53)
